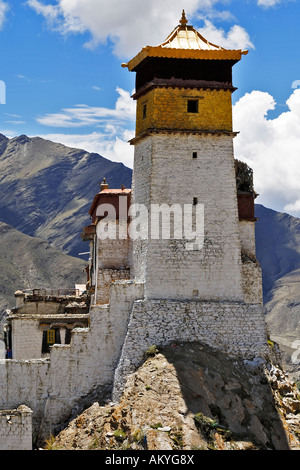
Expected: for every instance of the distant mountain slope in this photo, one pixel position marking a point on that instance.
(278, 251)
(46, 188)
(28, 262)
(283, 319)
(277, 245)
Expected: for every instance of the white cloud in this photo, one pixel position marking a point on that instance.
(15, 122)
(268, 3)
(271, 3)
(83, 115)
(110, 139)
(8, 133)
(236, 38)
(50, 12)
(132, 24)
(293, 207)
(4, 7)
(271, 148)
(12, 115)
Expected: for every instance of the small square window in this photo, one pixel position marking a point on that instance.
(195, 154)
(195, 201)
(193, 106)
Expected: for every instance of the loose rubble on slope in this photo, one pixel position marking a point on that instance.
(191, 397)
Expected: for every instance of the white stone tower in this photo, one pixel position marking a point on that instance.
(184, 157)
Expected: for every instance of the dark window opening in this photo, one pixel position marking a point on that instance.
(50, 337)
(68, 336)
(162, 68)
(195, 155)
(144, 111)
(192, 106)
(195, 201)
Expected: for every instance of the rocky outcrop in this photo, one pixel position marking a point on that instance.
(191, 397)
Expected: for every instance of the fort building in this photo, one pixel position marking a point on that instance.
(145, 288)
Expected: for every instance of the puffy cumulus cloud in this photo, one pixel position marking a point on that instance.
(236, 38)
(132, 24)
(271, 147)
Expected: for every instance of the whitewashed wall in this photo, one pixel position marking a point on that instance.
(16, 429)
(165, 172)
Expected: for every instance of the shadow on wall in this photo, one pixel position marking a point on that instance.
(2, 349)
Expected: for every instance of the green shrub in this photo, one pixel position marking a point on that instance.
(152, 350)
(207, 425)
(156, 426)
(120, 435)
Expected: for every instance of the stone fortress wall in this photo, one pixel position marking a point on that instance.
(102, 356)
(16, 429)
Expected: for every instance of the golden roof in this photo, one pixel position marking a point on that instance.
(185, 42)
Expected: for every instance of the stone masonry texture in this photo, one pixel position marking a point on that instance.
(165, 172)
(167, 109)
(237, 329)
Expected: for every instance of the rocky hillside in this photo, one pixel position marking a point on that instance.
(46, 189)
(190, 397)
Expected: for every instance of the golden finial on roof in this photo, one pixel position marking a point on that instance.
(183, 20)
(104, 185)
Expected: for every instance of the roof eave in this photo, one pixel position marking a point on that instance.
(158, 51)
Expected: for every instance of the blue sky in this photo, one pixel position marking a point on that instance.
(61, 64)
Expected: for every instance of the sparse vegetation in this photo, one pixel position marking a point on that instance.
(215, 434)
(152, 351)
(50, 444)
(156, 426)
(120, 434)
(138, 436)
(206, 425)
(177, 438)
(94, 444)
